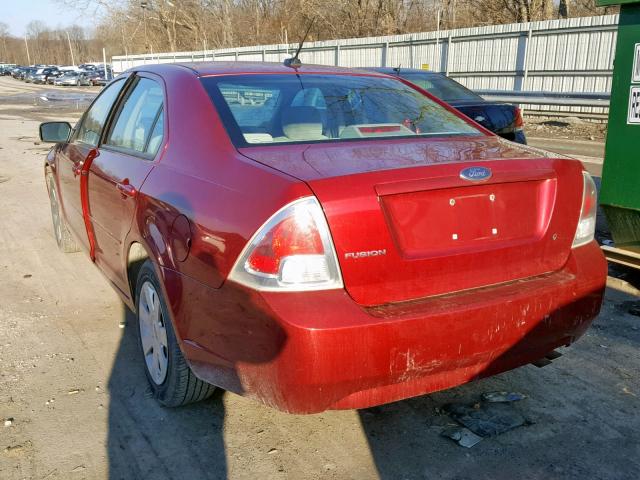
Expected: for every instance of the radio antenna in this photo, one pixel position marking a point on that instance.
(294, 62)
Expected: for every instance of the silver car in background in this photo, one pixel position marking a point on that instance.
(42, 75)
(73, 79)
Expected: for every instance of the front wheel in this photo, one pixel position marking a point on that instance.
(64, 239)
(172, 381)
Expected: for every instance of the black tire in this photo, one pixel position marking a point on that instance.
(64, 239)
(180, 385)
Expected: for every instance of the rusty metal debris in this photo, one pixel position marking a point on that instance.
(494, 415)
(463, 436)
(488, 419)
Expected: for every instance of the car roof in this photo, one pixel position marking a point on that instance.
(239, 68)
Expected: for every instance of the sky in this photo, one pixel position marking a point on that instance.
(18, 13)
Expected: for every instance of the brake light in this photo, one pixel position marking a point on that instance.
(587, 223)
(519, 121)
(292, 251)
(380, 129)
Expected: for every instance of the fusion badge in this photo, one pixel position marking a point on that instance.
(370, 253)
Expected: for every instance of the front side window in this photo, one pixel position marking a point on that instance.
(139, 125)
(94, 119)
(298, 108)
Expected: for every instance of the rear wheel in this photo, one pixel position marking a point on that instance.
(64, 239)
(172, 381)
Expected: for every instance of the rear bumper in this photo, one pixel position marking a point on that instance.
(309, 352)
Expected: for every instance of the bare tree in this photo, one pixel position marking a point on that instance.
(4, 35)
(134, 26)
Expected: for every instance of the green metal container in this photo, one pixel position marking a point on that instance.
(620, 191)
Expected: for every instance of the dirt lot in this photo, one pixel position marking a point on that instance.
(567, 128)
(75, 405)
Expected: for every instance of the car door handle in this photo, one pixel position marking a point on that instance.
(126, 189)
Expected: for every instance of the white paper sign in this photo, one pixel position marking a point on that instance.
(634, 106)
(636, 64)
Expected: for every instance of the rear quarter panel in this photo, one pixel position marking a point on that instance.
(203, 201)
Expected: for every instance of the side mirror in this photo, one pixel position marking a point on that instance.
(55, 132)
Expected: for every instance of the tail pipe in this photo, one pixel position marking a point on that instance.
(547, 359)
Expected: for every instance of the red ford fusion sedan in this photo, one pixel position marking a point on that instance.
(321, 238)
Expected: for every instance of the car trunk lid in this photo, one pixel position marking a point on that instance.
(423, 230)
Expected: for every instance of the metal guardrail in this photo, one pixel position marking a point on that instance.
(622, 256)
(548, 98)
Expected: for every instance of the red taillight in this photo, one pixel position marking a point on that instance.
(292, 251)
(588, 212)
(296, 235)
(519, 121)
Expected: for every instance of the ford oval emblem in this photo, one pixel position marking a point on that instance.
(476, 174)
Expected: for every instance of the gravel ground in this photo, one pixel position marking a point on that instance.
(566, 128)
(74, 403)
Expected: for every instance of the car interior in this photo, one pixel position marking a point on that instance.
(291, 111)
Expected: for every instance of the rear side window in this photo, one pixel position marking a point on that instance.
(94, 119)
(302, 108)
(138, 127)
(156, 135)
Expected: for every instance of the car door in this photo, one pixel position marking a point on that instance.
(76, 155)
(126, 157)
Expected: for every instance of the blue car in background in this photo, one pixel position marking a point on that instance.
(501, 118)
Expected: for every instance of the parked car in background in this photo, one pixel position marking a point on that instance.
(42, 75)
(62, 70)
(87, 67)
(6, 68)
(501, 118)
(52, 78)
(22, 75)
(29, 74)
(72, 78)
(329, 239)
(90, 75)
(100, 78)
(17, 72)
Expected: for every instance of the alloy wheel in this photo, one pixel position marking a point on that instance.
(55, 213)
(153, 333)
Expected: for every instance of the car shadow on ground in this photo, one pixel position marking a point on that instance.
(146, 440)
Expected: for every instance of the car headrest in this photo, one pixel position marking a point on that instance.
(302, 123)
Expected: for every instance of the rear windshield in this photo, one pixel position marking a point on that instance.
(303, 108)
(442, 87)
